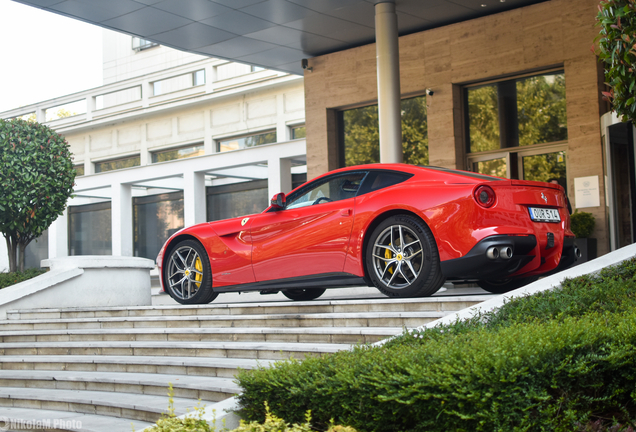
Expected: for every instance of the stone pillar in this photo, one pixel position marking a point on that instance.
(122, 219)
(194, 199)
(388, 66)
(279, 176)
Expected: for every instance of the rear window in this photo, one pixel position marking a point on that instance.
(465, 173)
(377, 180)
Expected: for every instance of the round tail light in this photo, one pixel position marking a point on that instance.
(485, 196)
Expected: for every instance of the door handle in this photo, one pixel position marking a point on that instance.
(345, 213)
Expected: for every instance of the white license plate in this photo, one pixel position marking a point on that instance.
(544, 215)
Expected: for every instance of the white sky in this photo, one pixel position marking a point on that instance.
(44, 55)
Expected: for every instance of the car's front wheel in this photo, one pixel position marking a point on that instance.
(187, 275)
(504, 285)
(402, 258)
(303, 294)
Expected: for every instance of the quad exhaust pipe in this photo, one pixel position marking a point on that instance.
(495, 252)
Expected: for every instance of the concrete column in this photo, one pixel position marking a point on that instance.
(122, 219)
(279, 178)
(91, 105)
(388, 65)
(194, 199)
(58, 236)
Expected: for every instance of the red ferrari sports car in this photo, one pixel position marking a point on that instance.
(401, 228)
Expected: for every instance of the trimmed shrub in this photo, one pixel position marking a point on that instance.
(558, 361)
(582, 224)
(8, 279)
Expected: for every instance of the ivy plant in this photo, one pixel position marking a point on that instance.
(36, 180)
(617, 50)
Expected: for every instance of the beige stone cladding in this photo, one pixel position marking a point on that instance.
(556, 33)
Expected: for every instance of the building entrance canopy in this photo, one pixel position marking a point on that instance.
(274, 34)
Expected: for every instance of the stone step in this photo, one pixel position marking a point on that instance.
(447, 303)
(212, 389)
(244, 350)
(197, 366)
(197, 334)
(363, 319)
(21, 419)
(131, 406)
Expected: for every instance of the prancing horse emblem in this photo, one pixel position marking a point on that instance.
(545, 198)
(244, 221)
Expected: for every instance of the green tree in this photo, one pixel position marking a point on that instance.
(617, 50)
(36, 180)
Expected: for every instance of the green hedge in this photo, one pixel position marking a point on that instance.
(558, 361)
(8, 279)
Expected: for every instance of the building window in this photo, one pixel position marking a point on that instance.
(139, 44)
(79, 170)
(239, 199)
(198, 77)
(298, 132)
(246, 141)
(37, 250)
(89, 228)
(178, 153)
(116, 164)
(516, 128)
(361, 139)
(155, 219)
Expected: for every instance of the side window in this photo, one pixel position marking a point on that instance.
(336, 188)
(377, 180)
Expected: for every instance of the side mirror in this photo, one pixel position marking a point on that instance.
(278, 201)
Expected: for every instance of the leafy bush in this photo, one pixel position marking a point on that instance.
(562, 360)
(582, 224)
(194, 422)
(8, 279)
(617, 50)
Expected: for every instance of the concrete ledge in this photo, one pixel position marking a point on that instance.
(83, 281)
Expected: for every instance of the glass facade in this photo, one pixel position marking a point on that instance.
(178, 153)
(116, 164)
(506, 119)
(37, 251)
(155, 219)
(89, 228)
(236, 200)
(360, 140)
(246, 141)
(519, 112)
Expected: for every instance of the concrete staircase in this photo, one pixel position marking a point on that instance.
(108, 369)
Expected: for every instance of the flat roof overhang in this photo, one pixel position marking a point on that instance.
(274, 34)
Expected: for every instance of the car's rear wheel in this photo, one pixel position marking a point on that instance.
(187, 275)
(303, 294)
(504, 285)
(402, 258)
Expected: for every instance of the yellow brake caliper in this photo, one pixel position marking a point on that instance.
(199, 267)
(388, 255)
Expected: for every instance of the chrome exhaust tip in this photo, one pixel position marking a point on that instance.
(505, 252)
(492, 253)
(577, 252)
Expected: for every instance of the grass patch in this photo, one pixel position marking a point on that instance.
(8, 279)
(561, 360)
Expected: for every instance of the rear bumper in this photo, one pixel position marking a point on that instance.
(482, 262)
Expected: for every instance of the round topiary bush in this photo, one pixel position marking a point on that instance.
(582, 224)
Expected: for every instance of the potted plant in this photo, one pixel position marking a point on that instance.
(582, 225)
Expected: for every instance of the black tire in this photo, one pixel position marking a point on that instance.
(412, 271)
(303, 294)
(187, 275)
(504, 285)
